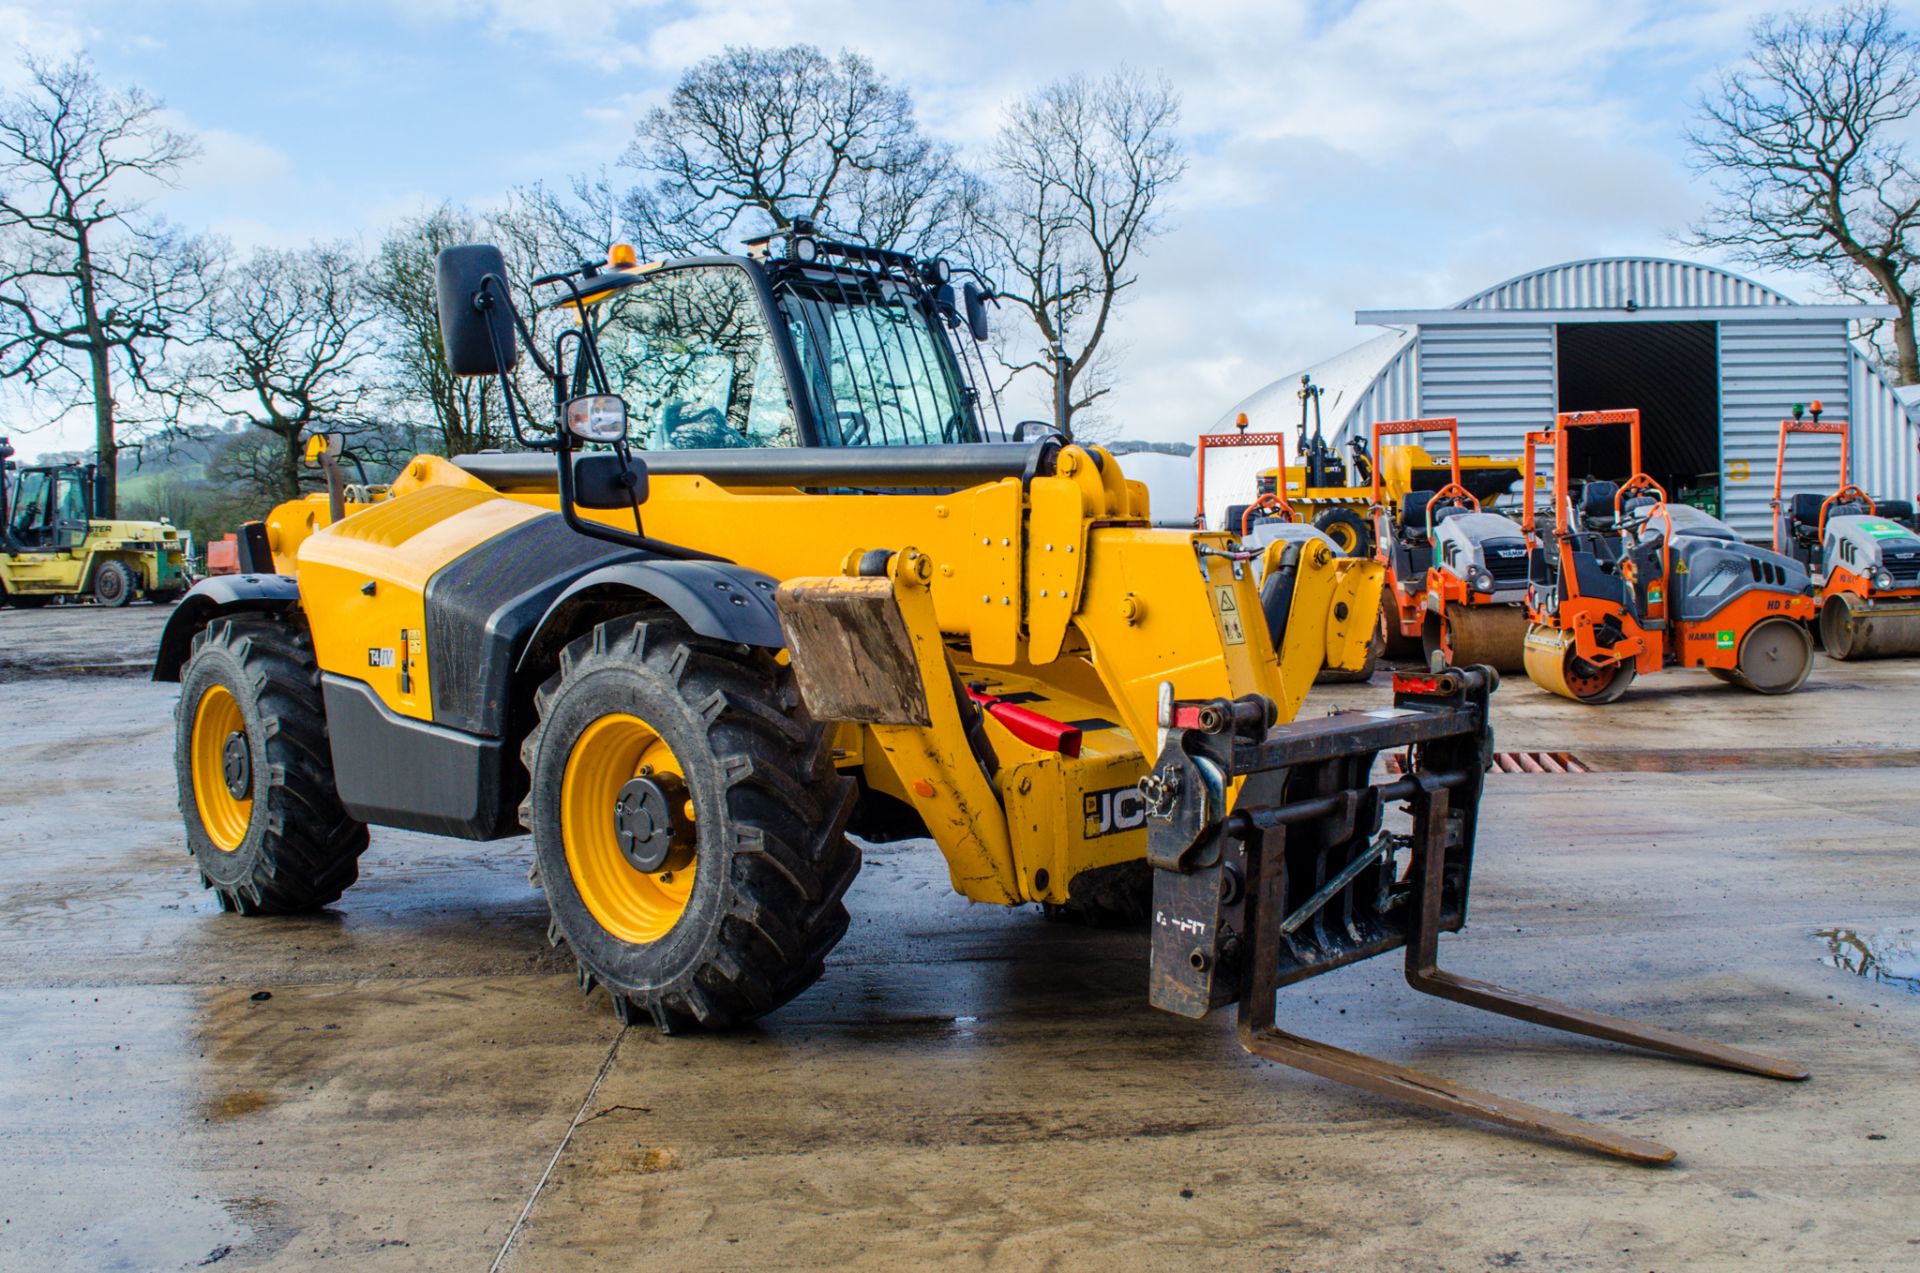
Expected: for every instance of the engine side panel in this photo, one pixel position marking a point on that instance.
(364, 581)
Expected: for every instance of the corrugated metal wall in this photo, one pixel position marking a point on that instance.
(1885, 458)
(1498, 380)
(1764, 369)
(1611, 282)
(1394, 395)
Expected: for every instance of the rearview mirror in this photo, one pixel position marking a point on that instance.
(476, 314)
(974, 302)
(597, 417)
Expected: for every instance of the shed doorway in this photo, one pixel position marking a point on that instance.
(1671, 372)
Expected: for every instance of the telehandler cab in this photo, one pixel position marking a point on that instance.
(1456, 574)
(820, 600)
(1632, 584)
(1864, 553)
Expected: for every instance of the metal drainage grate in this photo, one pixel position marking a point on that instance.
(1520, 762)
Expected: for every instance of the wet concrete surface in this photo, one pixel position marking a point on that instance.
(80, 639)
(411, 1081)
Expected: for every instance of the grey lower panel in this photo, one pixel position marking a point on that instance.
(396, 772)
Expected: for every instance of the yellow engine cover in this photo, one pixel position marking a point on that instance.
(363, 583)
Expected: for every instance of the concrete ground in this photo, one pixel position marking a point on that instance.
(411, 1080)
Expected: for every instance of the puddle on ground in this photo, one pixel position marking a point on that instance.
(1890, 955)
(219, 1108)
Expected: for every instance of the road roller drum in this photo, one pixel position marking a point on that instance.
(1553, 664)
(1856, 627)
(1494, 635)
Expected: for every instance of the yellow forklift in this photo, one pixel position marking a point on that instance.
(51, 546)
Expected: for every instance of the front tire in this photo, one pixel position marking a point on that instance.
(688, 825)
(1364, 673)
(264, 822)
(114, 583)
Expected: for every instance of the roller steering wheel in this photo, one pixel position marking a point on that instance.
(1633, 485)
(1279, 506)
(1838, 497)
(1454, 494)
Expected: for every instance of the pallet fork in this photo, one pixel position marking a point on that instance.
(1296, 877)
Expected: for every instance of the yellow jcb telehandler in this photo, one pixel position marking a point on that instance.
(765, 581)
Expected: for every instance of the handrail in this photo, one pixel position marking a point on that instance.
(1452, 493)
(879, 467)
(1638, 482)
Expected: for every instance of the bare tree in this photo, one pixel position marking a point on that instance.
(91, 288)
(1801, 142)
(463, 413)
(1079, 170)
(753, 139)
(540, 230)
(287, 348)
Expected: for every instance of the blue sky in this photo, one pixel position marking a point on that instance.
(1345, 155)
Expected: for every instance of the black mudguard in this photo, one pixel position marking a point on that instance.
(222, 594)
(498, 615)
(716, 599)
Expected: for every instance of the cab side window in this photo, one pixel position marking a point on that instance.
(29, 511)
(690, 351)
(71, 504)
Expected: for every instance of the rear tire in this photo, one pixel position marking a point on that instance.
(114, 583)
(736, 914)
(264, 822)
(1348, 531)
(1393, 644)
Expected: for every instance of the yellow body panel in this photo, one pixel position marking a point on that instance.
(378, 634)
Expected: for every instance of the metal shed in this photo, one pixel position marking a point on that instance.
(1712, 360)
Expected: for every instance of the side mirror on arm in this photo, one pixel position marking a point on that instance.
(597, 417)
(974, 302)
(476, 312)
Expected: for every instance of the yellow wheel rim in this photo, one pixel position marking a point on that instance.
(224, 815)
(1344, 537)
(633, 905)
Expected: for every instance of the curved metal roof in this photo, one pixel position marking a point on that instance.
(1611, 282)
(1603, 282)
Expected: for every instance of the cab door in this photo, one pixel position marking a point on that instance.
(69, 520)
